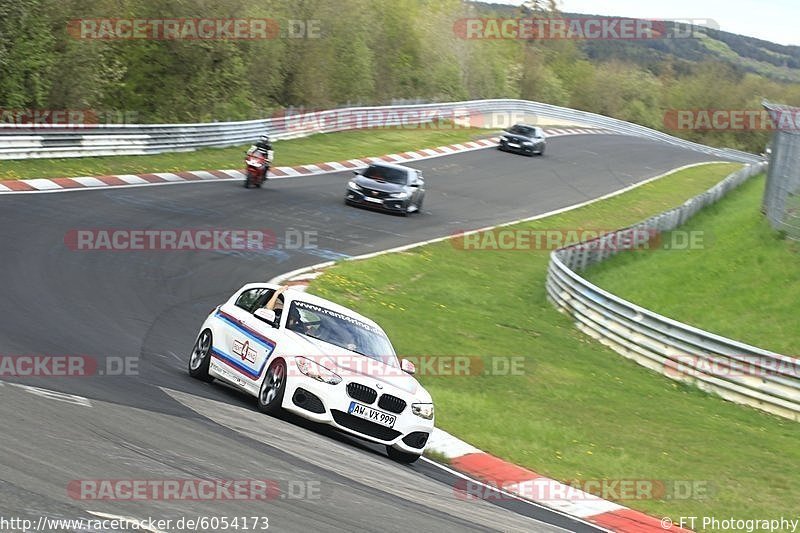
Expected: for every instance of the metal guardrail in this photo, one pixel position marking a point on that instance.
(734, 370)
(49, 141)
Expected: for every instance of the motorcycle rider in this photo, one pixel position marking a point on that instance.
(264, 148)
(263, 145)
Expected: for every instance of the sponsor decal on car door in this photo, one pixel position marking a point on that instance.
(246, 349)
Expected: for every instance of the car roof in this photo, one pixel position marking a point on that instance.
(527, 126)
(295, 294)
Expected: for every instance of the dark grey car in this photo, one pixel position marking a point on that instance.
(523, 139)
(388, 187)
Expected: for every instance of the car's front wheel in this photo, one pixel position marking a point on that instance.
(201, 356)
(270, 396)
(401, 457)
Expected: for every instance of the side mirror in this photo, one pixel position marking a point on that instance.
(415, 183)
(357, 172)
(267, 315)
(408, 367)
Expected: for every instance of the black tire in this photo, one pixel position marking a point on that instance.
(419, 205)
(275, 381)
(200, 357)
(541, 152)
(247, 183)
(401, 457)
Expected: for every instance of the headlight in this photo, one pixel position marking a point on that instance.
(315, 370)
(528, 143)
(504, 138)
(353, 185)
(399, 195)
(423, 410)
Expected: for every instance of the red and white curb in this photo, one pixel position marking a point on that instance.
(49, 185)
(531, 486)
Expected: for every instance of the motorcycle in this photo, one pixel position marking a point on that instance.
(258, 164)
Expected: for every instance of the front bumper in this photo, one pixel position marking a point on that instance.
(396, 205)
(328, 404)
(520, 148)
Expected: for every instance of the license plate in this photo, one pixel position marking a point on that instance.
(513, 145)
(373, 415)
(373, 200)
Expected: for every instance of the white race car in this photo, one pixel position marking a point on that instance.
(319, 360)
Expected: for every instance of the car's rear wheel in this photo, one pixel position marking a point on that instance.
(401, 457)
(273, 387)
(201, 356)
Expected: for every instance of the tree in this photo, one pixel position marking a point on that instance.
(26, 54)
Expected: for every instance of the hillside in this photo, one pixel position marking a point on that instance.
(742, 53)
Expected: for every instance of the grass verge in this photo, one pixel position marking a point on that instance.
(578, 410)
(314, 149)
(742, 282)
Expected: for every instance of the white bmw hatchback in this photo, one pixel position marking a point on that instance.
(318, 360)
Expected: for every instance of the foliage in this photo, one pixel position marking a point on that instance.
(366, 52)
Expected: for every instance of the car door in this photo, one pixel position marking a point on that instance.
(244, 344)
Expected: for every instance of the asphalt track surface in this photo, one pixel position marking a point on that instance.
(147, 307)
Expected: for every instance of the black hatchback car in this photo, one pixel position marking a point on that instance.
(387, 187)
(523, 139)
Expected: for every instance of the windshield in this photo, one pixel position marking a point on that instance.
(523, 130)
(388, 174)
(341, 330)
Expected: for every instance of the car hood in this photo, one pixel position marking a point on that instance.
(353, 365)
(383, 186)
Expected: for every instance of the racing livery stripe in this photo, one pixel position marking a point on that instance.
(250, 332)
(236, 365)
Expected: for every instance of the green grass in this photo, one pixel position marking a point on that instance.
(743, 282)
(579, 410)
(314, 149)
